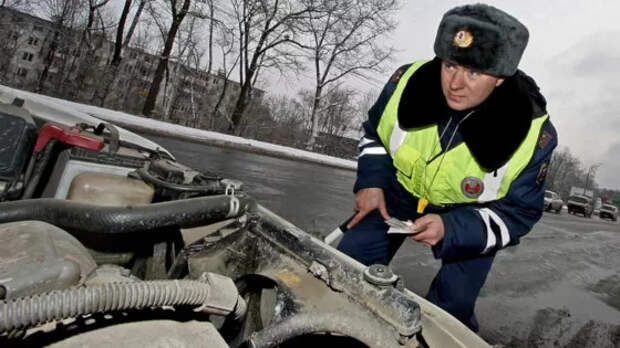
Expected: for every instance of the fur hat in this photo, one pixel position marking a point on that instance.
(482, 37)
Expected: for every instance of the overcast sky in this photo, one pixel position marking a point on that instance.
(573, 54)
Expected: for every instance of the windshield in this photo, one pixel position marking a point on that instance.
(579, 199)
(608, 207)
(548, 194)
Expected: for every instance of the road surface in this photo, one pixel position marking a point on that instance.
(559, 288)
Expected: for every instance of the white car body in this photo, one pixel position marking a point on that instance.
(553, 202)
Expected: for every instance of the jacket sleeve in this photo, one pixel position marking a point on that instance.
(470, 231)
(374, 164)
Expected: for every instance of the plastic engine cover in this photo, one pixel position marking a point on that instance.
(36, 257)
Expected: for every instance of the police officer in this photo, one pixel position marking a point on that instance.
(459, 145)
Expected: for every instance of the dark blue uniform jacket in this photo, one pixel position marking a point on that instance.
(491, 138)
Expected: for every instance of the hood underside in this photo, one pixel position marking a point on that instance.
(49, 109)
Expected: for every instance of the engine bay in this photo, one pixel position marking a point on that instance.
(107, 241)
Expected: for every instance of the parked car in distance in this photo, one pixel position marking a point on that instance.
(579, 204)
(553, 202)
(608, 211)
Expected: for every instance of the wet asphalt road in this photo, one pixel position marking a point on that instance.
(559, 288)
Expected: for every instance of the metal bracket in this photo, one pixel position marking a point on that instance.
(230, 190)
(234, 206)
(329, 272)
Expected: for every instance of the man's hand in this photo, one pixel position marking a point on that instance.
(431, 229)
(367, 200)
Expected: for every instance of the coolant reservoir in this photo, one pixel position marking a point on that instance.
(110, 190)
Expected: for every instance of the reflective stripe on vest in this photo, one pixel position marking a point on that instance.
(411, 151)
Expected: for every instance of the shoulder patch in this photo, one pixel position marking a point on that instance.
(545, 139)
(397, 75)
(542, 173)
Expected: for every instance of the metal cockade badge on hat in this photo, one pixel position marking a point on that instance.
(463, 39)
(472, 187)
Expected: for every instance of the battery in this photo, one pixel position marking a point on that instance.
(17, 137)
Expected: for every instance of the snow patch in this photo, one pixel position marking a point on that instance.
(128, 120)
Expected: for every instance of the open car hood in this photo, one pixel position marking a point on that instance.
(67, 113)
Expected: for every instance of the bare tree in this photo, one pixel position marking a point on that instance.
(64, 15)
(562, 165)
(12, 40)
(212, 21)
(339, 112)
(341, 38)
(185, 67)
(134, 79)
(186, 77)
(226, 44)
(110, 77)
(565, 171)
(366, 102)
(93, 7)
(263, 27)
(84, 62)
(591, 175)
(206, 85)
(193, 81)
(16, 4)
(286, 111)
(134, 22)
(120, 31)
(337, 118)
(178, 11)
(111, 72)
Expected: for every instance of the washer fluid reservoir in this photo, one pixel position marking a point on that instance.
(110, 190)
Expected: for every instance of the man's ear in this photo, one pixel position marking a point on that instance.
(499, 81)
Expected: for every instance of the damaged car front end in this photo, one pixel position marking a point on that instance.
(106, 239)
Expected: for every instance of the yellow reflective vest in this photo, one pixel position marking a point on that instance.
(454, 176)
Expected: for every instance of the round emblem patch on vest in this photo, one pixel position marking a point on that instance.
(463, 39)
(472, 187)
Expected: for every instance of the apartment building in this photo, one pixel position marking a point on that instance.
(38, 55)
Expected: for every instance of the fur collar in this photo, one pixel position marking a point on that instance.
(497, 127)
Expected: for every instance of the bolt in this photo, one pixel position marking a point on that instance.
(402, 339)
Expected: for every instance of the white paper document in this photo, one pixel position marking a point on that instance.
(400, 227)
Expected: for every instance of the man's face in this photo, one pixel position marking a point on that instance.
(465, 88)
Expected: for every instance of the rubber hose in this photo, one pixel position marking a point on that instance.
(86, 217)
(306, 323)
(39, 167)
(212, 188)
(30, 311)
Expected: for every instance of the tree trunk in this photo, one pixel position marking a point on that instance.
(111, 75)
(108, 79)
(118, 45)
(216, 109)
(76, 62)
(211, 25)
(246, 86)
(171, 91)
(49, 59)
(149, 104)
(314, 133)
(240, 106)
(134, 23)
